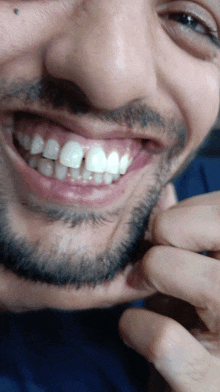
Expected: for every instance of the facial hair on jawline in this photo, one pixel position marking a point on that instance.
(77, 267)
(59, 268)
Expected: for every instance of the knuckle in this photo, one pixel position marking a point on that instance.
(167, 353)
(165, 346)
(156, 252)
(153, 258)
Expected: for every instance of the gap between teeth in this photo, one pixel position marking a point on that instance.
(51, 160)
(52, 168)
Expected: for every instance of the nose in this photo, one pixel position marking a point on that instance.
(106, 50)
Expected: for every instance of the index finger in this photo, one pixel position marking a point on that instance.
(193, 225)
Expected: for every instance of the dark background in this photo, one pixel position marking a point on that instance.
(211, 146)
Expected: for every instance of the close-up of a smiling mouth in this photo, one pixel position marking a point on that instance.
(64, 166)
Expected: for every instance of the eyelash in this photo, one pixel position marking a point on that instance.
(210, 33)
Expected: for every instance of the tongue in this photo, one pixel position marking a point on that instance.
(30, 124)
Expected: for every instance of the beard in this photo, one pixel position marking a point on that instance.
(78, 267)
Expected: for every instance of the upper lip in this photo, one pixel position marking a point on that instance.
(90, 127)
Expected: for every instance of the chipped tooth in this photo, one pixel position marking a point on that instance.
(46, 167)
(60, 171)
(113, 163)
(37, 145)
(86, 175)
(71, 155)
(124, 164)
(96, 160)
(33, 162)
(52, 149)
(98, 178)
(75, 173)
(108, 178)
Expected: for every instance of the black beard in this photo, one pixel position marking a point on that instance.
(58, 268)
(79, 269)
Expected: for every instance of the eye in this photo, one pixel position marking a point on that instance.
(196, 25)
(192, 27)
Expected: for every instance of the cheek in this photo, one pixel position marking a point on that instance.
(202, 106)
(193, 86)
(196, 92)
(28, 32)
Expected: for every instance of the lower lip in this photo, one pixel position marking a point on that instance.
(70, 194)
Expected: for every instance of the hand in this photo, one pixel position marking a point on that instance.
(21, 295)
(190, 362)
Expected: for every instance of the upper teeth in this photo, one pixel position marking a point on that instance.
(72, 154)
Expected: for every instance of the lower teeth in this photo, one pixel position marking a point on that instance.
(50, 168)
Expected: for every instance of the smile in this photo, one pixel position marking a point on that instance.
(66, 167)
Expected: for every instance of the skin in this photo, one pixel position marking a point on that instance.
(172, 69)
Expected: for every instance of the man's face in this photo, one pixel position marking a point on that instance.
(101, 102)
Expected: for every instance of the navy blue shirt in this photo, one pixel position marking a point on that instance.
(51, 351)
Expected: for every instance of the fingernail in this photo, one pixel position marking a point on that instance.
(135, 278)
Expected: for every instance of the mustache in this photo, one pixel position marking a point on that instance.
(59, 94)
(65, 95)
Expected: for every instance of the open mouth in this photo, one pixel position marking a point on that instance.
(65, 162)
(70, 157)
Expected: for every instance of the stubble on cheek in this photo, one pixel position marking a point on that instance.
(60, 254)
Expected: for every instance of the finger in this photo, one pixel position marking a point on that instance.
(212, 198)
(185, 275)
(175, 353)
(168, 199)
(177, 309)
(196, 228)
(21, 295)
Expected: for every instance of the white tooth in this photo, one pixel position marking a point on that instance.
(37, 145)
(116, 176)
(71, 155)
(46, 167)
(108, 178)
(96, 160)
(33, 162)
(75, 173)
(52, 149)
(98, 178)
(113, 163)
(60, 171)
(124, 164)
(87, 175)
(27, 142)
